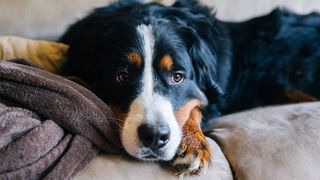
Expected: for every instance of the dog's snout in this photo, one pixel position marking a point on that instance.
(154, 137)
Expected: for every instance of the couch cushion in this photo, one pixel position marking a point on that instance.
(126, 169)
(272, 143)
(49, 19)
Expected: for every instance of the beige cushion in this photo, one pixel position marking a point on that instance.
(239, 10)
(39, 19)
(272, 143)
(121, 168)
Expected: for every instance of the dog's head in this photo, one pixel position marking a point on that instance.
(152, 64)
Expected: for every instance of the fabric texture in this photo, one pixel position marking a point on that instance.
(49, 127)
(129, 169)
(281, 142)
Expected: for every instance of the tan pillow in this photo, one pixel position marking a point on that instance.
(42, 54)
(121, 168)
(48, 19)
(272, 143)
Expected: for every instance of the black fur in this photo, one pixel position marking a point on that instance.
(271, 54)
(237, 65)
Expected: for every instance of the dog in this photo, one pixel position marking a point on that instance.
(165, 70)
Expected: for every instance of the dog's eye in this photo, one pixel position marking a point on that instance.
(122, 77)
(177, 78)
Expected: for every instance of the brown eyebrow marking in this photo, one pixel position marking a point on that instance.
(134, 58)
(166, 63)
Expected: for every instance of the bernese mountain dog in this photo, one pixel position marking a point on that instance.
(164, 70)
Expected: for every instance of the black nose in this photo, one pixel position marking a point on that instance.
(154, 137)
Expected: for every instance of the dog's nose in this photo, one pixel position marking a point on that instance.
(154, 137)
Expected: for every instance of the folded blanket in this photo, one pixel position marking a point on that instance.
(49, 127)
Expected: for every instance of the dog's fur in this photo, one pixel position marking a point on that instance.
(224, 67)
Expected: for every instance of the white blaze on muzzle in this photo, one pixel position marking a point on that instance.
(149, 108)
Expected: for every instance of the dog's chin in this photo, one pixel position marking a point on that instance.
(146, 154)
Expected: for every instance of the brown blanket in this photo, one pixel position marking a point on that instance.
(49, 127)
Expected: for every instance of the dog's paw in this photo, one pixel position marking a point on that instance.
(193, 156)
(194, 153)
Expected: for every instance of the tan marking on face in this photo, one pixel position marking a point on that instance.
(183, 113)
(134, 58)
(166, 63)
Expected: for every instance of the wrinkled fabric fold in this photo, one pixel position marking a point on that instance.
(50, 127)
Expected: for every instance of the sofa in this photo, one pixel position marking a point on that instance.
(280, 142)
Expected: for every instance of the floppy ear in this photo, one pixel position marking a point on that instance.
(206, 64)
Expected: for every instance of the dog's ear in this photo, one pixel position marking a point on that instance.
(209, 71)
(208, 44)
